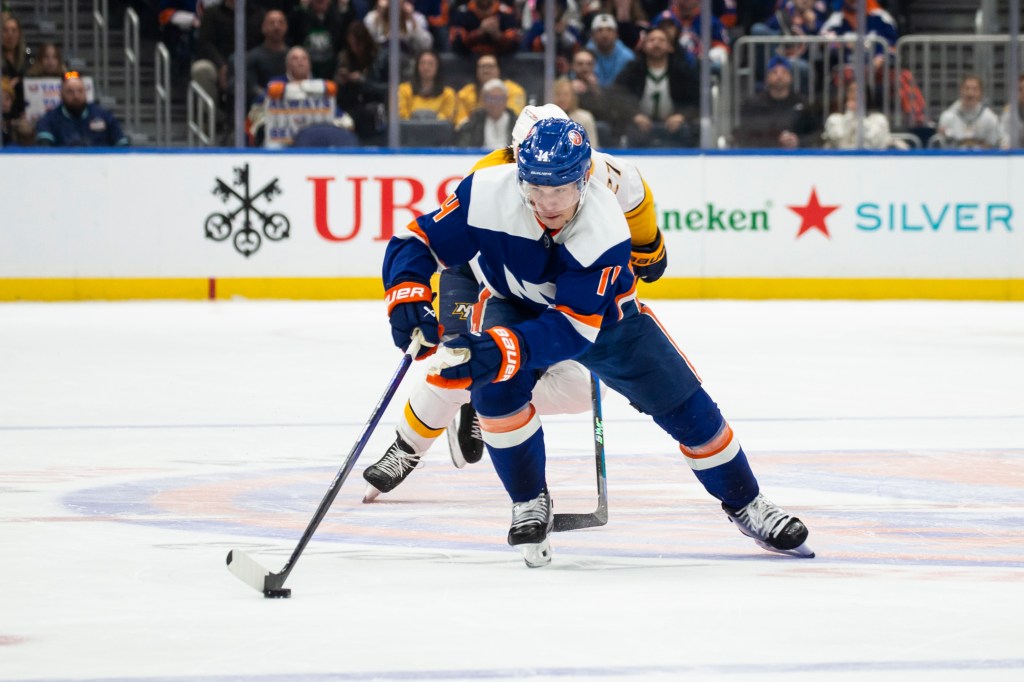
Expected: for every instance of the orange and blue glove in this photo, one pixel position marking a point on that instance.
(469, 360)
(409, 309)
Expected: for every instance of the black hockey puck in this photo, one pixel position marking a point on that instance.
(282, 593)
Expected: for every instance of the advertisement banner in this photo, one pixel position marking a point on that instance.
(734, 225)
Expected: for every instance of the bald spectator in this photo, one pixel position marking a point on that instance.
(295, 102)
(76, 122)
(490, 126)
(267, 60)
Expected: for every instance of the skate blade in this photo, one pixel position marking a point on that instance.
(453, 447)
(801, 552)
(536, 554)
(370, 494)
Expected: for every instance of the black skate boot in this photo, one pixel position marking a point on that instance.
(465, 441)
(771, 527)
(531, 523)
(390, 470)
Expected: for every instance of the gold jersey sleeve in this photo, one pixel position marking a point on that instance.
(643, 222)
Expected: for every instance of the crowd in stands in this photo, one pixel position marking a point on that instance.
(627, 70)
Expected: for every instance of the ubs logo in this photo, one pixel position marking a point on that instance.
(247, 239)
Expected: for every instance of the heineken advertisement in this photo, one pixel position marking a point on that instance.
(315, 225)
(712, 218)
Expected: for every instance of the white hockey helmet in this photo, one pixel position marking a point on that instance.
(529, 116)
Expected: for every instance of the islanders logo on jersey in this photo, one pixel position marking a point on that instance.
(575, 138)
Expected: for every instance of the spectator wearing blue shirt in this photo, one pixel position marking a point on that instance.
(610, 54)
(76, 122)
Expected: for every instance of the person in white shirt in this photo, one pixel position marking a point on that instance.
(969, 123)
(841, 127)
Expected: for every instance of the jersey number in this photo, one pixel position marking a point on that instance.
(608, 275)
(614, 177)
(449, 205)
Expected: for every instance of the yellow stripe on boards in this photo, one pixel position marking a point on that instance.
(370, 288)
(302, 288)
(850, 289)
(101, 289)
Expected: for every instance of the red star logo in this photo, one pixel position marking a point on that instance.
(812, 216)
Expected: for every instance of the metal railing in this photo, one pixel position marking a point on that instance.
(162, 88)
(71, 44)
(202, 117)
(132, 77)
(100, 43)
(939, 62)
(822, 81)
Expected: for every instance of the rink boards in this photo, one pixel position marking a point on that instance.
(152, 224)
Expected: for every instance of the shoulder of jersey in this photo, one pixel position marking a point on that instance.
(599, 227)
(495, 203)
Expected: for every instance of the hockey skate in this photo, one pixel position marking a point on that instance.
(464, 438)
(390, 470)
(531, 523)
(771, 527)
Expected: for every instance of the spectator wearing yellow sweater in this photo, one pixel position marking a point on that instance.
(426, 91)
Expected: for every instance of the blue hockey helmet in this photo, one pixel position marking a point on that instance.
(555, 152)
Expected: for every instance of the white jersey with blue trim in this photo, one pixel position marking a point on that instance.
(577, 278)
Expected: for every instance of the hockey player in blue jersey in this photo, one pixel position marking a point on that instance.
(564, 388)
(552, 253)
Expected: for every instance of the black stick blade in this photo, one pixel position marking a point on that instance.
(564, 522)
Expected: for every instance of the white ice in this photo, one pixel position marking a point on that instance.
(139, 442)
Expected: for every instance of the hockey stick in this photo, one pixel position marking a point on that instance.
(600, 516)
(271, 584)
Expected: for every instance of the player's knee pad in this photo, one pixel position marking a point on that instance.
(563, 389)
(704, 437)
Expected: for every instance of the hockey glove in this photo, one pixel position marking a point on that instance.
(476, 359)
(409, 309)
(649, 260)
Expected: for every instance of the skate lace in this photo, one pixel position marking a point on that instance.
(474, 427)
(533, 512)
(397, 462)
(763, 517)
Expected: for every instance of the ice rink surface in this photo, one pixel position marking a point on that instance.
(139, 442)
